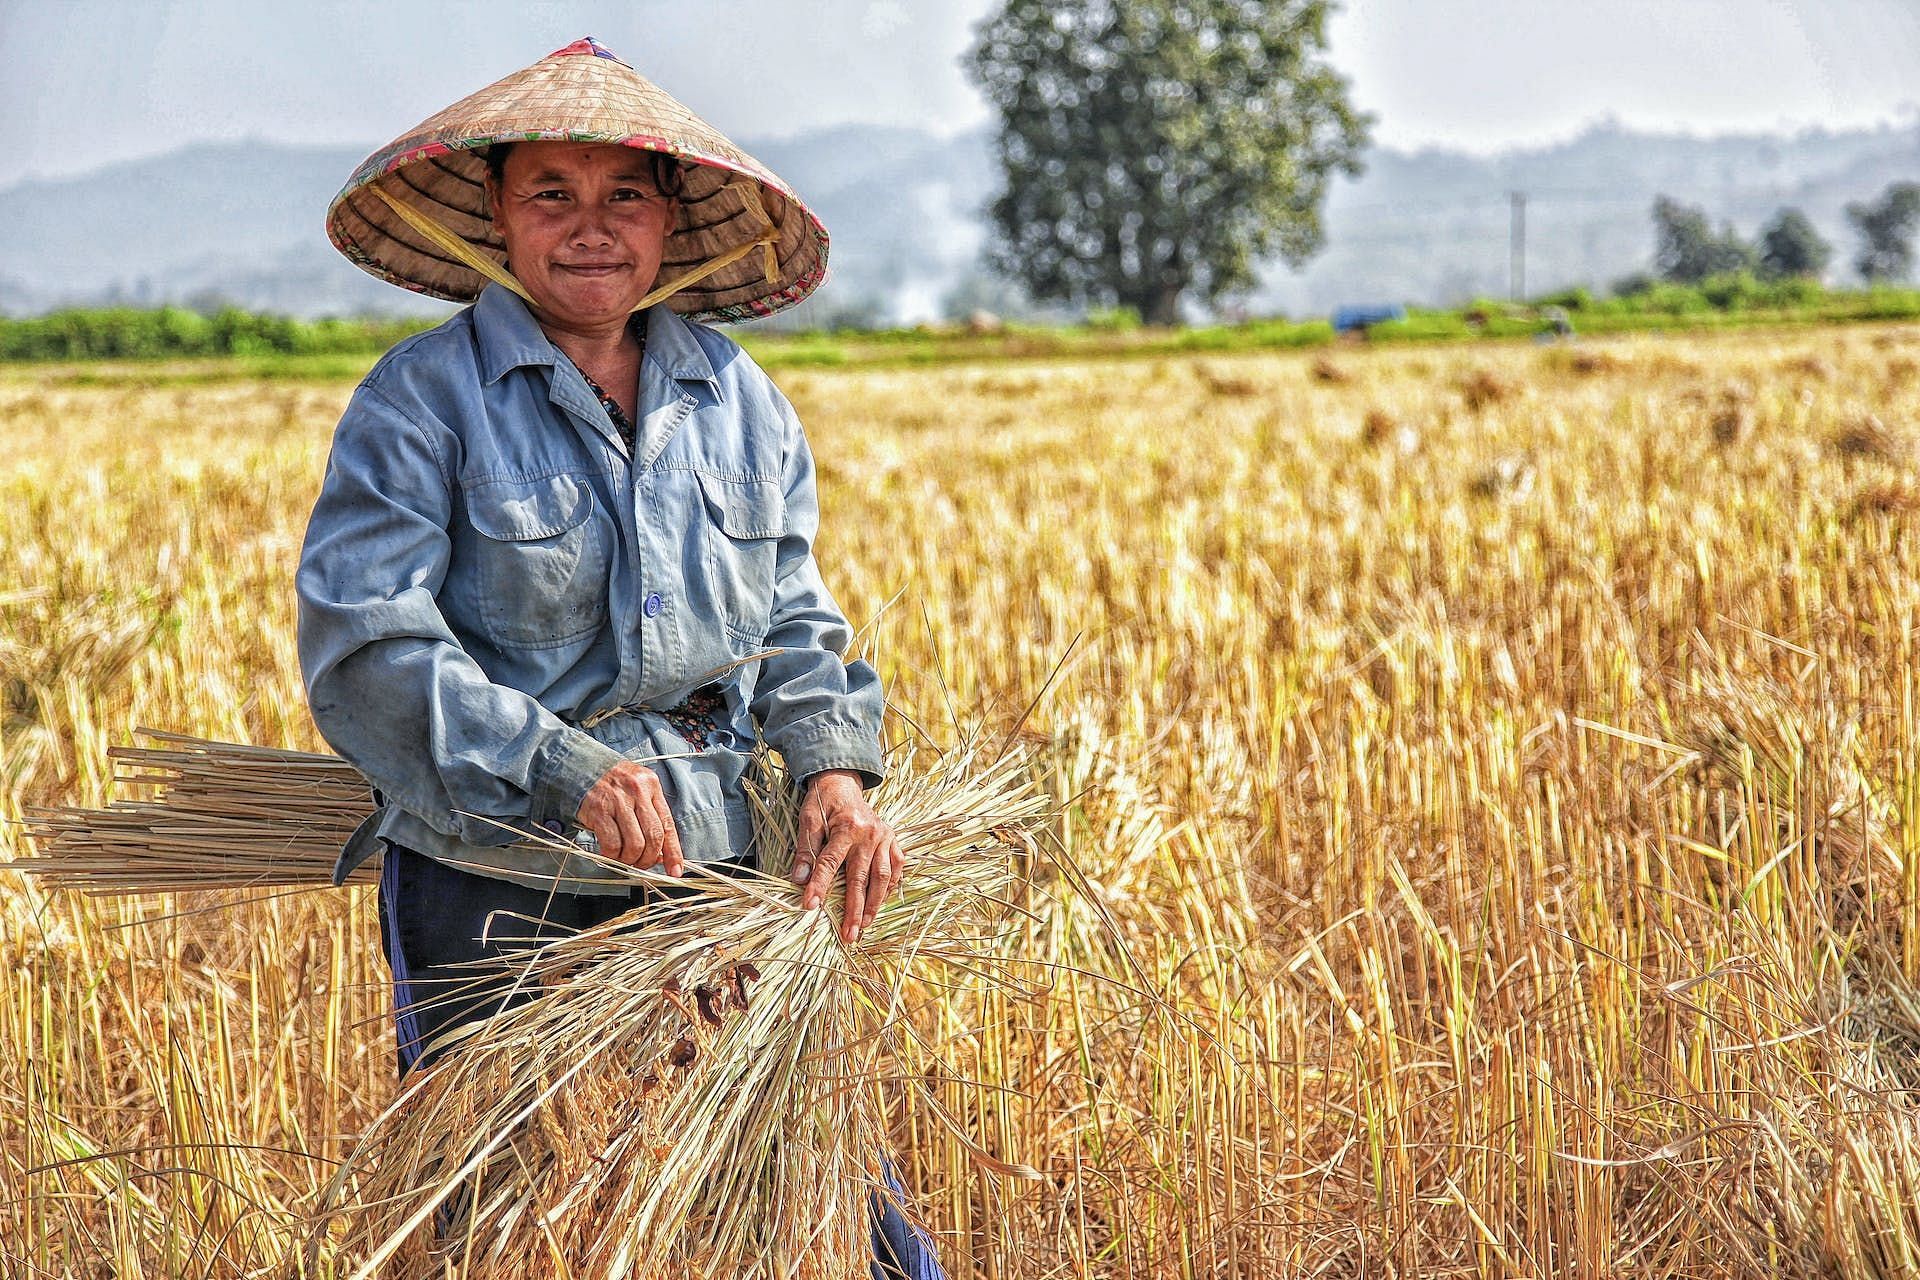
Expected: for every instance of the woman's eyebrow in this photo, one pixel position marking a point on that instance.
(627, 175)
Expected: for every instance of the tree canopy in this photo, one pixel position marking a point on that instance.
(1886, 228)
(1687, 249)
(1791, 246)
(1153, 147)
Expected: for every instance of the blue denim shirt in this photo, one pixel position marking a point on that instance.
(486, 568)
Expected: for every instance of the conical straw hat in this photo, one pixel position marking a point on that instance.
(415, 212)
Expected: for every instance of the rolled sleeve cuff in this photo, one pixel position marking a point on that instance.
(576, 762)
(835, 747)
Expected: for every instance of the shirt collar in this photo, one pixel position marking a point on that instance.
(509, 337)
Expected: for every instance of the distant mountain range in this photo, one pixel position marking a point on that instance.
(242, 221)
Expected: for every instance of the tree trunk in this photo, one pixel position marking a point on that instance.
(1162, 305)
(1156, 303)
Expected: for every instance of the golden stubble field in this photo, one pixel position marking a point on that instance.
(1502, 760)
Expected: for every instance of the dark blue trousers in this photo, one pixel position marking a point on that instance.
(433, 917)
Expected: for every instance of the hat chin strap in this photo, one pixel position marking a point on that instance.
(456, 245)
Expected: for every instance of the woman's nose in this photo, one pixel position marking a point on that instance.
(591, 230)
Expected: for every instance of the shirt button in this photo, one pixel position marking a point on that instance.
(651, 605)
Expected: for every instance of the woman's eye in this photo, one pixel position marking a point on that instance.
(629, 193)
(556, 194)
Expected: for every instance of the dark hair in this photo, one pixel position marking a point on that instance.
(669, 179)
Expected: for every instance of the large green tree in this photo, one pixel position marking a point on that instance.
(1153, 147)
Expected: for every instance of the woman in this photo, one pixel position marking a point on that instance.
(560, 570)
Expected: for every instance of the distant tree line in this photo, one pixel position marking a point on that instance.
(107, 333)
(1689, 250)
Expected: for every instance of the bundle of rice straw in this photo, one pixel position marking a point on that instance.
(699, 1086)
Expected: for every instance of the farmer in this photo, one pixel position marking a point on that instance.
(560, 569)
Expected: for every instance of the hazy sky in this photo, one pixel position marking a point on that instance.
(87, 81)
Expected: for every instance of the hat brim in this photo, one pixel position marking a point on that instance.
(439, 169)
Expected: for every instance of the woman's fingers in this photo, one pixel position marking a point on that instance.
(872, 861)
(883, 874)
(627, 812)
(806, 848)
(606, 835)
(860, 868)
(634, 842)
(671, 860)
(838, 845)
(836, 829)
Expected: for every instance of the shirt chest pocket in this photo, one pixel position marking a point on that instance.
(739, 547)
(538, 560)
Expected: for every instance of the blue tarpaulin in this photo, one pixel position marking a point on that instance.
(1362, 317)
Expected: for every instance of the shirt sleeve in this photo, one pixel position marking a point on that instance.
(388, 684)
(817, 709)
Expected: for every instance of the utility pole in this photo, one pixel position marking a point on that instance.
(1517, 248)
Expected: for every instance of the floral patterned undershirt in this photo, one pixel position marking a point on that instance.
(694, 718)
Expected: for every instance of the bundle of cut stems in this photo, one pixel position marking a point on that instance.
(699, 1087)
(220, 816)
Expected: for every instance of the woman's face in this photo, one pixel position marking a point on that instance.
(584, 228)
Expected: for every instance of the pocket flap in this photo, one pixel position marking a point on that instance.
(744, 508)
(516, 510)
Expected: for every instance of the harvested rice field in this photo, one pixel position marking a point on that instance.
(1493, 771)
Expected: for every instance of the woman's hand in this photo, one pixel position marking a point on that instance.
(838, 828)
(627, 812)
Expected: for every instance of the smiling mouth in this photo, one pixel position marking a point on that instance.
(592, 268)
